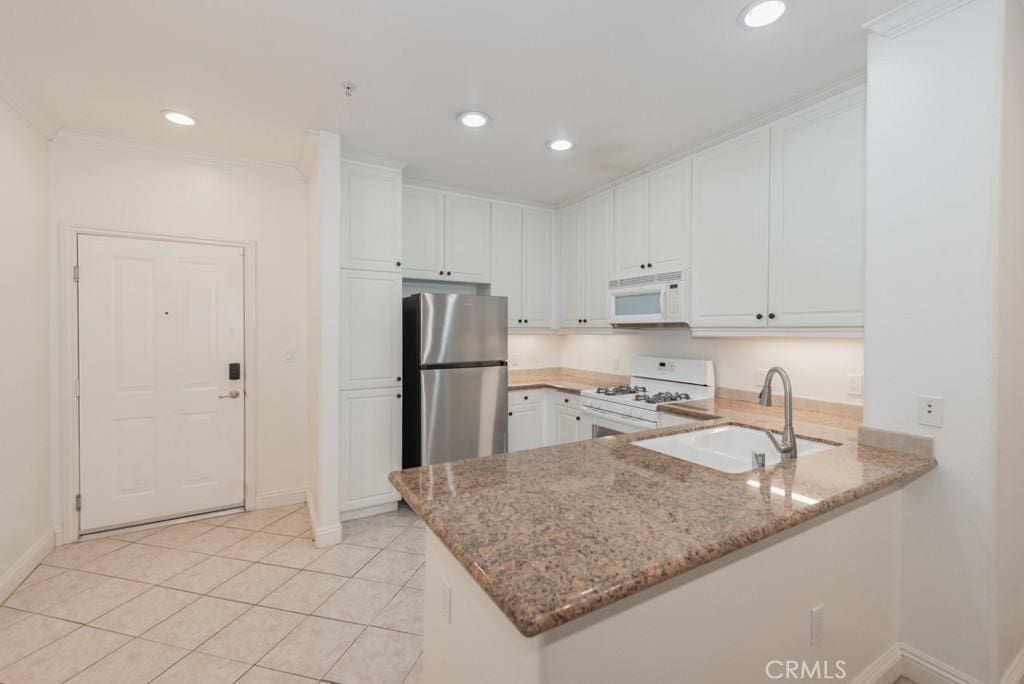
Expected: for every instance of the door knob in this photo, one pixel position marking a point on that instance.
(233, 394)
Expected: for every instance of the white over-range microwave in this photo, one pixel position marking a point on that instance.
(650, 299)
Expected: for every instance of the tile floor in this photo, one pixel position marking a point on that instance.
(244, 598)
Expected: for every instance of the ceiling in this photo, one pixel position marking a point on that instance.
(631, 82)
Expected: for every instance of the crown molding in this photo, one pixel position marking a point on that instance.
(911, 15)
(420, 184)
(39, 118)
(70, 136)
(371, 160)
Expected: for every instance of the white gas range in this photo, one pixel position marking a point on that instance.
(655, 380)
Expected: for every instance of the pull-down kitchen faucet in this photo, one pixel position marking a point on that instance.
(787, 448)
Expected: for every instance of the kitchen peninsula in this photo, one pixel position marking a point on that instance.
(601, 561)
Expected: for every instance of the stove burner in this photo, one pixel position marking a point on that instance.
(620, 390)
(661, 397)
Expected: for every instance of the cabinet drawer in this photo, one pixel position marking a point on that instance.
(529, 396)
(566, 400)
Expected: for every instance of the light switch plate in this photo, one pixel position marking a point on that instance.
(930, 411)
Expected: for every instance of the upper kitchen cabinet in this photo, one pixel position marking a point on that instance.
(570, 266)
(816, 262)
(467, 239)
(371, 217)
(521, 264)
(422, 233)
(729, 259)
(584, 241)
(651, 227)
(630, 255)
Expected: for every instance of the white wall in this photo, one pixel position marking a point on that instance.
(25, 520)
(534, 351)
(104, 184)
(930, 311)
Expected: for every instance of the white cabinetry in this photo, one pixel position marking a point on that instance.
(467, 239)
(371, 447)
(583, 258)
(629, 257)
(422, 233)
(371, 217)
(521, 264)
(652, 223)
(564, 417)
(525, 419)
(571, 243)
(371, 329)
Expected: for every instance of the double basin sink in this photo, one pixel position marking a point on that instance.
(727, 448)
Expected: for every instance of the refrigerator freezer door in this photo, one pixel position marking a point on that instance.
(464, 413)
(462, 329)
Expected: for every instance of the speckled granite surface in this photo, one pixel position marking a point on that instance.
(554, 533)
(564, 379)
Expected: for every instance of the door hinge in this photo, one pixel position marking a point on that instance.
(78, 502)
(76, 273)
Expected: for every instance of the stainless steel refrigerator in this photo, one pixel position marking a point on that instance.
(455, 370)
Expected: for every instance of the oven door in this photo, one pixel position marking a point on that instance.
(598, 423)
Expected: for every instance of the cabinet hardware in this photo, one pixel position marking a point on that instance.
(526, 320)
(579, 320)
(399, 378)
(577, 417)
(760, 316)
(440, 273)
(398, 396)
(526, 398)
(586, 320)
(771, 315)
(449, 272)
(398, 263)
(510, 413)
(643, 266)
(566, 401)
(519, 321)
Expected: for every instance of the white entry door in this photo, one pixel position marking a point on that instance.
(161, 420)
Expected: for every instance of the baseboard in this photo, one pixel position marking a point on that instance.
(885, 669)
(902, 659)
(24, 566)
(282, 497)
(323, 536)
(368, 511)
(1015, 673)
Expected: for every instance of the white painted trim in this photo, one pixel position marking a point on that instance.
(855, 333)
(371, 160)
(281, 497)
(119, 144)
(368, 511)
(327, 535)
(925, 669)
(883, 670)
(431, 186)
(26, 563)
(67, 239)
(1015, 673)
(911, 15)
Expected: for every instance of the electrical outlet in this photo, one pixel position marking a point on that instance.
(616, 362)
(855, 384)
(817, 623)
(930, 411)
(761, 374)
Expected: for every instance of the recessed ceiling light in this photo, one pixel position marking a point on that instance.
(178, 118)
(762, 13)
(474, 119)
(560, 145)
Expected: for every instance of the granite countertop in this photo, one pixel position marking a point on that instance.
(552, 534)
(562, 379)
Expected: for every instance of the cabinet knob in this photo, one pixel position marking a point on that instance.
(519, 320)
(398, 396)
(566, 401)
(398, 263)
(526, 320)
(579, 320)
(586, 320)
(440, 273)
(399, 378)
(760, 316)
(577, 417)
(510, 413)
(525, 398)
(771, 315)
(650, 265)
(643, 266)
(449, 272)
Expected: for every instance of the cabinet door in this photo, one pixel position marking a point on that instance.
(422, 233)
(729, 259)
(597, 258)
(629, 242)
(467, 239)
(567, 426)
(526, 427)
(817, 217)
(669, 225)
(371, 217)
(507, 259)
(536, 276)
(371, 329)
(371, 447)
(570, 266)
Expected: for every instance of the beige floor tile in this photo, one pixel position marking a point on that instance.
(313, 647)
(257, 520)
(252, 635)
(80, 553)
(177, 536)
(304, 592)
(379, 656)
(145, 612)
(204, 576)
(135, 535)
(94, 602)
(343, 559)
(10, 616)
(262, 675)
(395, 567)
(196, 668)
(137, 662)
(255, 583)
(255, 546)
(403, 517)
(216, 540)
(358, 601)
(367, 534)
(404, 613)
(415, 675)
(64, 658)
(29, 635)
(413, 540)
(416, 581)
(292, 524)
(62, 587)
(40, 574)
(144, 563)
(196, 623)
(297, 553)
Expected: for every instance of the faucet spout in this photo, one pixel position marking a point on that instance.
(787, 447)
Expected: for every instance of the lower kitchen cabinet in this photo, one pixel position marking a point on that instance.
(567, 425)
(370, 446)
(526, 425)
